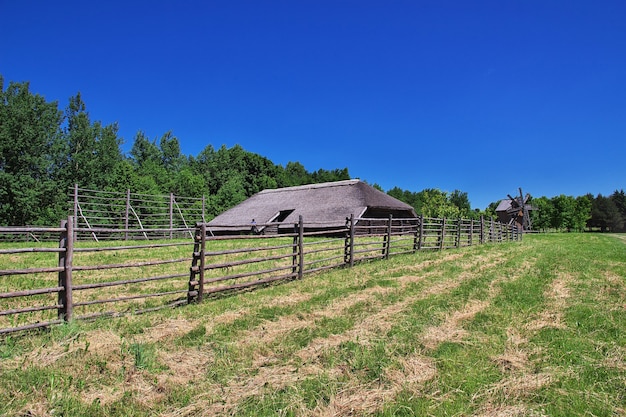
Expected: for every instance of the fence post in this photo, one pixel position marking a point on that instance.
(75, 214)
(202, 261)
(470, 238)
(301, 246)
(203, 208)
(421, 239)
(387, 239)
(389, 232)
(458, 234)
(349, 244)
(498, 231)
(442, 235)
(194, 270)
(172, 214)
(127, 213)
(492, 234)
(66, 242)
(294, 249)
(482, 229)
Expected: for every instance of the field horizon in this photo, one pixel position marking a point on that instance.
(528, 328)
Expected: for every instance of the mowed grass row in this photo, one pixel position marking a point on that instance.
(525, 328)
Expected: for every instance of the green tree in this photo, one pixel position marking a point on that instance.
(202, 165)
(323, 175)
(378, 187)
(188, 183)
(171, 157)
(461, 201)
(542, 215)
(108, 156)
(296, 174)
(259, 173)
(564, 212)
(490, 210)
(432, 202)
(398, 193)
(30, 157)
(151, 176)
(123, 177)
(230, 173)
(619, 198)
(144, 151)
(582, 213)
(605, 214)
(81, 142)
(93, 149)
(229, 195)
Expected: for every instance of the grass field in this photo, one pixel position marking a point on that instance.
(527, 328)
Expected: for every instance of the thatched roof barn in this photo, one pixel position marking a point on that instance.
(322, 206)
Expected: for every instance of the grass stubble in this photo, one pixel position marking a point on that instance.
(517, 329)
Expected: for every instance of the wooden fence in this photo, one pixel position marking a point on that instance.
(87, 280)
(109, 215)
(138, 216)
(288, 256)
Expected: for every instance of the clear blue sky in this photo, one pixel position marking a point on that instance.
(480, 96)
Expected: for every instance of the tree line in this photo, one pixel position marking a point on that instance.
(594, 213)
(560, 213)
(45, 150)
(432, 202)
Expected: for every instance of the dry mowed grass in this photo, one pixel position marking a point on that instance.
(518, 329)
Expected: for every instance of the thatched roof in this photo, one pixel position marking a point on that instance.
(327, 203)
(507, 206)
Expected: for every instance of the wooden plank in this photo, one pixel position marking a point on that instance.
(28, 293)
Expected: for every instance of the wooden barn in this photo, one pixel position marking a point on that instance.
(322, 206)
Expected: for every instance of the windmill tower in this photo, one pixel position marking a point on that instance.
(516, 210)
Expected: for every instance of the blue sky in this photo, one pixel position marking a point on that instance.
(480, 96)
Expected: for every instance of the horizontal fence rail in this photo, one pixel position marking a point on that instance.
(48, 285)
(306, 248)
(108, 215)
(87, 280)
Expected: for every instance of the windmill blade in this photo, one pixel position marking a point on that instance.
(514, 202)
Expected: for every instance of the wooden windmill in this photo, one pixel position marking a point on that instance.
(516, 210)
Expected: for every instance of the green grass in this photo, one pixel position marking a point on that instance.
(535, 327)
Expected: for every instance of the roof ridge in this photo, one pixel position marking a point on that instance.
(311, 186)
